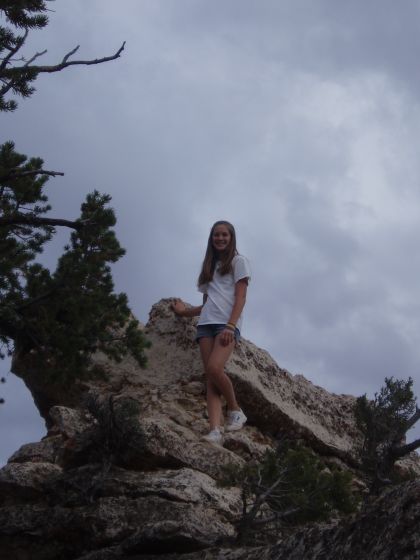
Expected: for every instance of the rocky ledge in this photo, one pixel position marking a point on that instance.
(123, 473)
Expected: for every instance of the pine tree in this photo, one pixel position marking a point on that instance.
(384, 422)
(57, 319)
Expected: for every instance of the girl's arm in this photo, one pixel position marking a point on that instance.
(182, 310)
(241, 286)
(240, 299)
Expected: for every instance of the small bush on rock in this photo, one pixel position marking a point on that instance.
(289, 486)
(384, 422)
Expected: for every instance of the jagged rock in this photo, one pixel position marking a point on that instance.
(69, 422)
(123, 471)
(274, 400)
(184, 509)
(169, 444)
(409, 466)
(44, 451)
(25, 481)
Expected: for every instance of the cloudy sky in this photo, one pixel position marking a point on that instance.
(297, 120)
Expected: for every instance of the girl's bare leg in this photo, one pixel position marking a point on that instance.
(214, 405)
(213, 395)
(215, 371)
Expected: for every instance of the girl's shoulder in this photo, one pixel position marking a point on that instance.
(238, 258)
(240, 267)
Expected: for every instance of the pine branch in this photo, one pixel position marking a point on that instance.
(33, 301)
(410, 423)
(28, 220)
(13, 174)
(19, 42)
(414, 418)
(8, 329)
(8, 85)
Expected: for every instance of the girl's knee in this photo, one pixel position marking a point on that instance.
(213, 371)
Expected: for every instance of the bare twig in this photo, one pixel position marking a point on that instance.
(71, 53)
(21, 59)
(262, 498)
(36, 55)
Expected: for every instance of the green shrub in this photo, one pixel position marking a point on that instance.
(288, 487)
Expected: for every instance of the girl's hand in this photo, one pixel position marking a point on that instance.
(178, 307)
(227, 337)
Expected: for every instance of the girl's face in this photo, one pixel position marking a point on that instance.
(221, 238)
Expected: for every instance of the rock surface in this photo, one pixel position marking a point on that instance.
(156, 491)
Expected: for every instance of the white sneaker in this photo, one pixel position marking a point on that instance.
(214, 436)
(235, 420)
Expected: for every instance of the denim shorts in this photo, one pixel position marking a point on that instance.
(214, 329)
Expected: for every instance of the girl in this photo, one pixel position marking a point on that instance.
(223, 281)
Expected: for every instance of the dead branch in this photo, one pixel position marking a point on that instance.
(55, 68)
(277, 515)
(71, 53)
(36, 55)
(250, 516)
(65, 62)
(405, 449)
(18, 174)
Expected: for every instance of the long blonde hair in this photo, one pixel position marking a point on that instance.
(211, 256)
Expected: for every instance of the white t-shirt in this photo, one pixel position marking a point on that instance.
(221, 293)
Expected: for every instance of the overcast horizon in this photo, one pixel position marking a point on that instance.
(296, 120)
